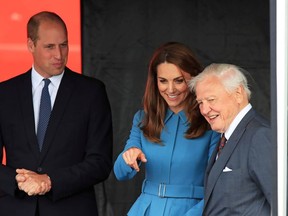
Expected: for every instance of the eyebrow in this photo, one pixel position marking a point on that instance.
(206, 98)
(63, 42)
(173, 79)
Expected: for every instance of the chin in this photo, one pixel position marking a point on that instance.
(215, 128)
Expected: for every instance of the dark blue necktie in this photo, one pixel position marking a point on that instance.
(44, 113)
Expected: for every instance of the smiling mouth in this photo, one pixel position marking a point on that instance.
(172, 96)
(212, 117)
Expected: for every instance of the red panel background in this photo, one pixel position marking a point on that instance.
(14, 14)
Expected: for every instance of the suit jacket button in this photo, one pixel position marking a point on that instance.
(39, 169)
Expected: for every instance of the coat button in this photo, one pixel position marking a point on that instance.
(39, 169)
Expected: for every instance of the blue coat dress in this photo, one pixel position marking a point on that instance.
(174, 172)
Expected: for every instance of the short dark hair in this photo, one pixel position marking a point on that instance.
(35, 21)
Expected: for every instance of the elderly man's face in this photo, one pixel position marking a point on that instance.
(217, 105)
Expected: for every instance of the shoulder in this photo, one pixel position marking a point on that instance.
(139, 115)
(83, 85)
(258, 122)
(17, 79)
(13, 84)
(212, 136)
(258, 133)
(251, 123)
(83, 80)
(261, 120)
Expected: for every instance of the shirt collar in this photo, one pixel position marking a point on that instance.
(237, 120)
(37, 78)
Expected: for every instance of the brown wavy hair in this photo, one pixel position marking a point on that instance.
(155, 106)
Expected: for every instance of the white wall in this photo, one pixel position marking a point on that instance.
(281, 73)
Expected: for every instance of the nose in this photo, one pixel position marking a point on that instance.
(171, 87)
(204, 108)
(58, 52)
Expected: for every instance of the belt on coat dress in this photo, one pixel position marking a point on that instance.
(168, 190)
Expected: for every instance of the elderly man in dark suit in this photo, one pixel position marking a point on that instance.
(239, 177)
(51, 169)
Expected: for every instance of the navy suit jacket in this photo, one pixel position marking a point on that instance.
(240, 181)
(77, 150)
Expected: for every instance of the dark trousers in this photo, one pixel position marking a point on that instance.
(37, 210)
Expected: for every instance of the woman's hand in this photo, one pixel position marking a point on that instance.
(132, 156)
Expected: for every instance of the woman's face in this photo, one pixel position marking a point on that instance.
(172, 85)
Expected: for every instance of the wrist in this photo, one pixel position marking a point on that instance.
(49, 179)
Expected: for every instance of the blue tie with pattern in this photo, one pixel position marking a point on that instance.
(44, 113)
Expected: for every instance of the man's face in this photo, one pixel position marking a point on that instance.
(217, 105)
(50, 51)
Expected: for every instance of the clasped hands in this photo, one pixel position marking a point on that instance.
(132, 156)
(32, 183)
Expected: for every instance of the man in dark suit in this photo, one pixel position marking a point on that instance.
(239, 177)
(57, 177)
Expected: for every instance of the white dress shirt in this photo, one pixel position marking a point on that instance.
(237, 120)
(37, 86)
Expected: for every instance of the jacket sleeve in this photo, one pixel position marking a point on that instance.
(261, 162)
(121, 170)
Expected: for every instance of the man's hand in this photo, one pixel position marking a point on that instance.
(33, 183)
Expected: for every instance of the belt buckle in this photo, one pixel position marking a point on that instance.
(161, 190)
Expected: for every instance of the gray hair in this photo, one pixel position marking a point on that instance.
(230, 75)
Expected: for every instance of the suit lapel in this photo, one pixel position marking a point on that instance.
(25, 92)
(214, 170)
(61, 101)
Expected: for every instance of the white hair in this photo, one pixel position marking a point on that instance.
(231, 76)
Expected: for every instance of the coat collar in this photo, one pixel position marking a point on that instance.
(170, 113)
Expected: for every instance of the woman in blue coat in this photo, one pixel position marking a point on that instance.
(171, 137)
